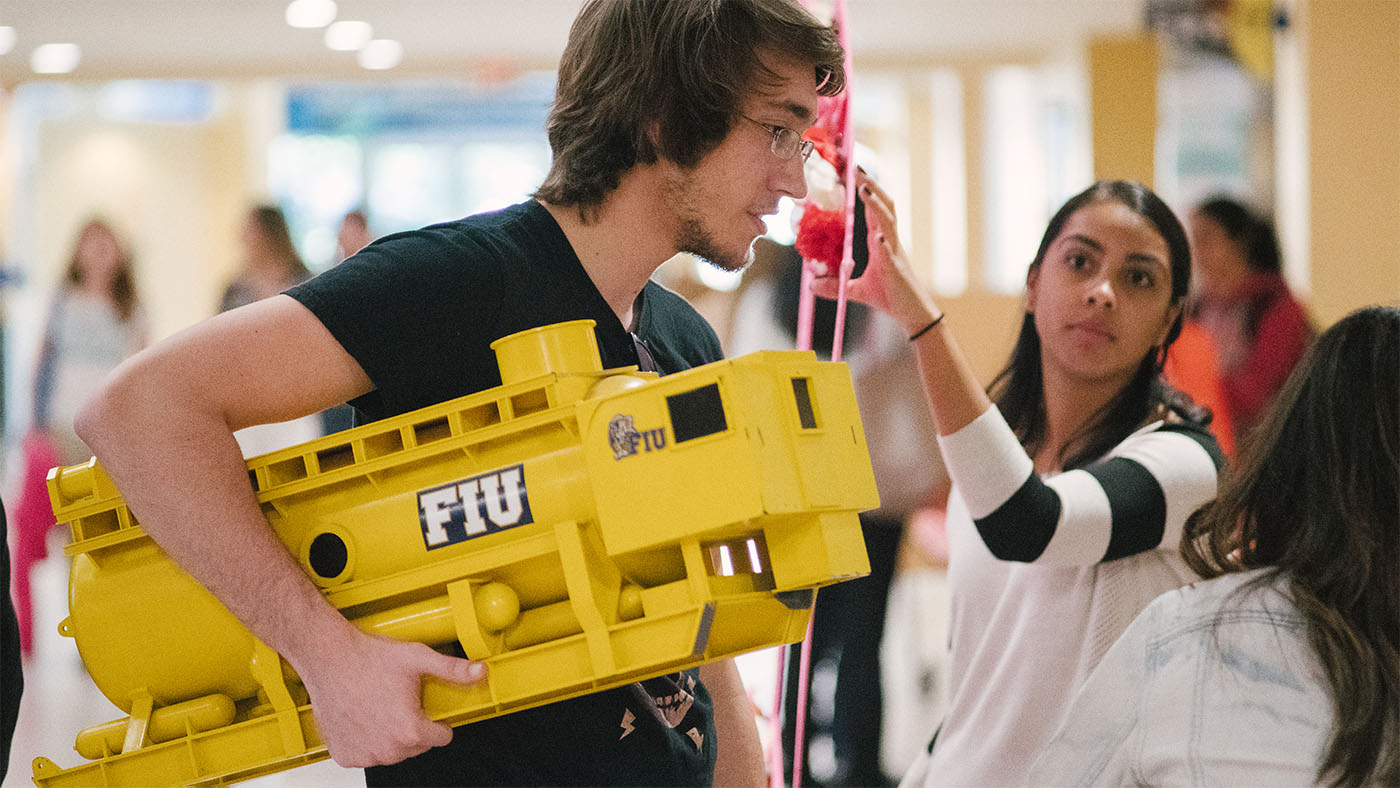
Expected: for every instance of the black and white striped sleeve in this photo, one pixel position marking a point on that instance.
(1136, 498)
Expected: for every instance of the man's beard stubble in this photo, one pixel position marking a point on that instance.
(693, 237)
(696, 240)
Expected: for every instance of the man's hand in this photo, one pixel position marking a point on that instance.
(368, 698)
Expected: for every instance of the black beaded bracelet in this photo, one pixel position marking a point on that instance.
(926, 328)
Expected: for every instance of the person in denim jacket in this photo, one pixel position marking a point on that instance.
(1284, 668)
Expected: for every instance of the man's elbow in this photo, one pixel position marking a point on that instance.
(108, 407)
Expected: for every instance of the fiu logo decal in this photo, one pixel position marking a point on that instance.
(626, 440)
(474, 507)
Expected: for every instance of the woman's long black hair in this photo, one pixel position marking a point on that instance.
(1019, 390)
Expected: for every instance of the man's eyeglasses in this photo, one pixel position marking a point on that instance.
(786, 142)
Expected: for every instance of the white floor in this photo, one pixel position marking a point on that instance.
(60, 700)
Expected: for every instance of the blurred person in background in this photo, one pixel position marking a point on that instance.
(270, 265)
(1241, 299)
(93, 324)
(270, 261)
(353, 235)
(1193, 367)
(1284, 667)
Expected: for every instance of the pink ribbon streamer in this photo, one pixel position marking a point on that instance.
(836, 112)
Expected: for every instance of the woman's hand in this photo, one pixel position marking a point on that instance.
(889, 283)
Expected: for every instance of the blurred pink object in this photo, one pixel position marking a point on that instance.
(33, 519)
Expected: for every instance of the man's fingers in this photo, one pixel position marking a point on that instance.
(454, 669)
(435, 734)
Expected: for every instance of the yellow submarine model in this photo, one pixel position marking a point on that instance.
(575, 528)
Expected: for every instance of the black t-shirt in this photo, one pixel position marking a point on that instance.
(418, 311)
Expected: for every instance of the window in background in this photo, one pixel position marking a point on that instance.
(1035, 156)
(880, 108)
(410, 154)
(156, 101)
(949, 183)
(409, 184)
(496, 173)
(316, 179)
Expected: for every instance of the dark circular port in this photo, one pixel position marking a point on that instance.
(327, 555)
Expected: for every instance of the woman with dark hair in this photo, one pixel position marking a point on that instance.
(1285, 667)
(271, 263)
(1258, 328)
(93, 324)
(1070, 492)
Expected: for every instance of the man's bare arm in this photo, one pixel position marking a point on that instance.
(740, 758)
(162, 426)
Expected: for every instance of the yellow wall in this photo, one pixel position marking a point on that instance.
(1352, 51)
(175, 192)
(1123, 107)
(157, 184)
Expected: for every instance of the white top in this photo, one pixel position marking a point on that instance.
(1207, 687)
(84, 341)
(1082, 552)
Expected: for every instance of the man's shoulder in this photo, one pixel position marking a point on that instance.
(515, 224)
(666, 304)
(477, 246)
(671, 321)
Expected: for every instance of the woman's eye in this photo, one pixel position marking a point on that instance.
(1141, 279)
(1077, 260)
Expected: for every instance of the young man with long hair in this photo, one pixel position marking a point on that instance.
(676, 127)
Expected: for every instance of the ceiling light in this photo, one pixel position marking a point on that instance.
(381, 53)
(7, 39)
(310, 13)
(348, 35)
(55, 58)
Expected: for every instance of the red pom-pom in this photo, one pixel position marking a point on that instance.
(821, 236)
(825, 146)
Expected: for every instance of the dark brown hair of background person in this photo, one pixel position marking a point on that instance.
(123, 283)
(1316, 495)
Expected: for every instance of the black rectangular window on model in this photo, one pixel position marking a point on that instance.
(697, 413)
(802, 393)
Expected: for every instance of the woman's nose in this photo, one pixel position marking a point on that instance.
(1101, 292)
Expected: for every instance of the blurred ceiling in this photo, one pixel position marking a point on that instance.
(218, 39)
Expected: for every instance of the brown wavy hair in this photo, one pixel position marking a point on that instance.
(1316, 497)
(680, 67)
(123, 290)
(272, 224)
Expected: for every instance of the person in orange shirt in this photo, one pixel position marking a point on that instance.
(1192, 368)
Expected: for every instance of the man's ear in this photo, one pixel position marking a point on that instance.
(1032, 282)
